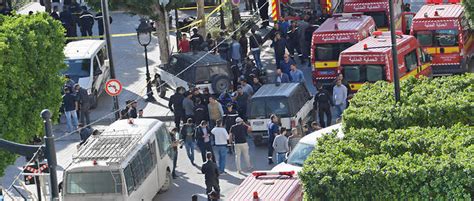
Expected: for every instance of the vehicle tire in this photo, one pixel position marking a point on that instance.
(160, 88)
(95, 100)
(220, 84)
(166, 186)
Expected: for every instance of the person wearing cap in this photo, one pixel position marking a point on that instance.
(69, 83)
(242, 100)
(230, 114)
(84, 103)
(238, 135)
(188, 105)
(196, 40)
(203, 139)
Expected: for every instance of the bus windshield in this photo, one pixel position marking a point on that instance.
(330, 52)
(437, 38)
(264, 107)
(93, 182)
(299, 154)
(380, 18)
(365, 73)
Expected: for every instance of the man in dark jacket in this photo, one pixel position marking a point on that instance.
(68, 22)
(196, 40)
(187, 135)
(203, 139)
(176, 106)
(230, 114)
(55, 13)
(200, 111)
(86, 22)
(223, 48)
(211, 174)
(322, 103)
(100, 22)
(244, 45)
(293, 43)
(279, 45)
(255, 42)
(242, 99)
(84, 103)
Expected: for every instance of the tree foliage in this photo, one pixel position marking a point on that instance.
(469, 7)
(30, 81)
(420, 149)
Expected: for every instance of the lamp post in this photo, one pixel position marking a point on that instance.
(144, 39)
(396, 78)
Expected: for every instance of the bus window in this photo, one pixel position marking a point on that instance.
(127, 172)
(380, 18)
(374, 73)
(164, 143)
(411, 61)
(425, 38)
(446, 37)
(93, 182)
(352, 73)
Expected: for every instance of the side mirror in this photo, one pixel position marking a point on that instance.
(97, 72)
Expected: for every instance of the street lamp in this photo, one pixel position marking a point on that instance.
(144, 38)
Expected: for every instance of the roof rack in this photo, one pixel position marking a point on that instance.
(112, 147)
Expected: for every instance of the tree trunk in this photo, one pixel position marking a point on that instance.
(47, 5)
(162, 33)
(201, 16)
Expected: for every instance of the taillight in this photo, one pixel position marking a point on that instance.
(255, 195)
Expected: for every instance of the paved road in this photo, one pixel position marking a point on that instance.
(130, 67)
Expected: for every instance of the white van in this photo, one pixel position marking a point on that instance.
(127, 162)
(304, 147)
(291, 102)
(88, 65)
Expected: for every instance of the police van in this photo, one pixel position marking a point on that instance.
(88, 64)
(291, 102)
(130, 160)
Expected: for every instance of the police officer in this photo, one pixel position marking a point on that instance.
(322, 103)
(196, 40)
(86, 22)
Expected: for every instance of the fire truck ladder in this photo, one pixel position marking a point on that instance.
(111, 147)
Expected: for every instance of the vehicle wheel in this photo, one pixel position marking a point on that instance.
(220, 84)
(95, 100)
(160, 88)
(166, 186)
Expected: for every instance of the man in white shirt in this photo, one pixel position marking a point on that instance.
(221, 136)
(339, 93)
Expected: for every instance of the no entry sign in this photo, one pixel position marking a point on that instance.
(113, 87)
(235, 2)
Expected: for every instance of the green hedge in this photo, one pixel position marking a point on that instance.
(419, 149)
(424, 102)
(409, 164)
(31, 49)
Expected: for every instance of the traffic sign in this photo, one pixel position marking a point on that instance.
(113, 87)
(235, 2)
(34, 169)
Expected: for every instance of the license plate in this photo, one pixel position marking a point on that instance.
(325, 72)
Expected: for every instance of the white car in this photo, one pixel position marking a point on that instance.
(88, 65)
(304, 147)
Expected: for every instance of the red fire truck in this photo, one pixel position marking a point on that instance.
(370, 60)
(379, 10)
(444, 32)
(266, 185)
(332, 37)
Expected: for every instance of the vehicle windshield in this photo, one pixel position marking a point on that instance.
(365, 73)
(78, 67)
(437, 38)
(330, 52)
(380, 18)
(93, 182)
(299, 154)
(264, 107)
